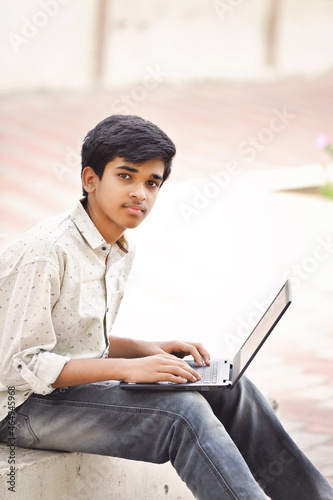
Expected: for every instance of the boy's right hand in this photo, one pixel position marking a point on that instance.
(158, 368)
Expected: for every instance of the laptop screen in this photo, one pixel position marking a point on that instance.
(263, 328)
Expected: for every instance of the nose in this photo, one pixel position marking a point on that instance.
(138, 192)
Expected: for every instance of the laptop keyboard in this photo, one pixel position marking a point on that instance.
(208, 373)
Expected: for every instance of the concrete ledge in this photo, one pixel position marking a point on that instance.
(77, 476)
(285, 178)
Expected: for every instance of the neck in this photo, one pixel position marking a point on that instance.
(110, 231)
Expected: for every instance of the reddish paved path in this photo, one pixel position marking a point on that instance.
(211, 125)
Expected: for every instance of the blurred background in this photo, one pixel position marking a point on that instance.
(54, 44)
(244, 89)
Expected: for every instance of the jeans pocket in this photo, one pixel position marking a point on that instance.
(24, 435)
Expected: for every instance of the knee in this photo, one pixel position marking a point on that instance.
(247, 387)
(192, 416)
(249, 396)
(190, 409)
(187, 402)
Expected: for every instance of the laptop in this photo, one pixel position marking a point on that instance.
(223, 373)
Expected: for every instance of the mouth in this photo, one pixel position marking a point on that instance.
(134, 209)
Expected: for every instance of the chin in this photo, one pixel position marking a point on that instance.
(130, 223)
(133, 224)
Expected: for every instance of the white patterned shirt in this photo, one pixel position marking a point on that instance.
(61, 286)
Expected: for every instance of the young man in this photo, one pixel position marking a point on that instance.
(61, 286)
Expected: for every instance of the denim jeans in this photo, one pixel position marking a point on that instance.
(223, 444)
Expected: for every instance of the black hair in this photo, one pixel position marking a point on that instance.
(129, 137)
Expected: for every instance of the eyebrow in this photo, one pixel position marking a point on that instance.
(132, 169)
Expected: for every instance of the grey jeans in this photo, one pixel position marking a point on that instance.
(223, 444)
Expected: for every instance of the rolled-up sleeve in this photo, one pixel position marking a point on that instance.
(28, 295)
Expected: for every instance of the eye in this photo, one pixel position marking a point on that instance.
(124, 176)
(153, 184)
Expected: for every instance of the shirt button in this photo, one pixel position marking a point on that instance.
(19, 367)
(104, 248)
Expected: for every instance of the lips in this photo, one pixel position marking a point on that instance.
(134, 209)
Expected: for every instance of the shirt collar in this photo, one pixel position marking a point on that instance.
(90, 232)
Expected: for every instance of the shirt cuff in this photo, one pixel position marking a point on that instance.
(49, 368)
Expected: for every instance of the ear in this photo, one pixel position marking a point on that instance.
(89, 179)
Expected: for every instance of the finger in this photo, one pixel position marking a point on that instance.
(184, 371)
(168, 357)
(200, 354)
(177, 374)
(169, 377)
(195, 353)
(186, 366)
(172, 359)
(182, 349)
(195, 349)
(170, 362)
(176, 348)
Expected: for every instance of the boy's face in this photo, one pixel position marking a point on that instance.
(125, 195)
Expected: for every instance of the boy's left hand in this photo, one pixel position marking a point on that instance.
(181, 349)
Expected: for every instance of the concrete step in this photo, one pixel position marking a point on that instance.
(52, 475)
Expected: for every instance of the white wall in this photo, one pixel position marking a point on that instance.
(46, 43)
(306, 36)
(52, 43)
(186, 39)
